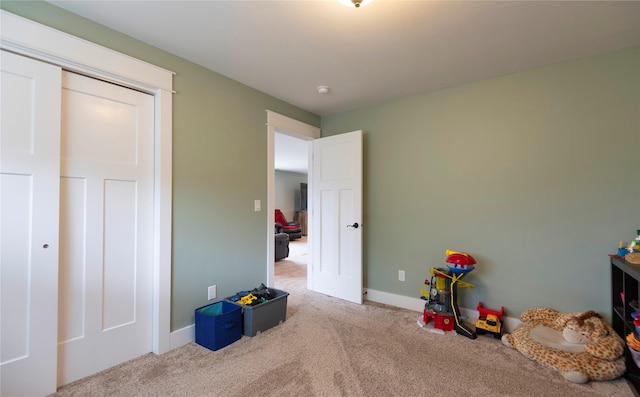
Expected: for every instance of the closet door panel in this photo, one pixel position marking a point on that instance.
(106, 255)
(29, 221)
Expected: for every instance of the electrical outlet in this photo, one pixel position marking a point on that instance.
(401, 275)
(212, 292)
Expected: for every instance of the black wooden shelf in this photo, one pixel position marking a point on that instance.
(625, 285)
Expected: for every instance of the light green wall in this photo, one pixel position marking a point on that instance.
(536, 174)
(219, 166)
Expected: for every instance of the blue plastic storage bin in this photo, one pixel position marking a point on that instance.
(218, 325)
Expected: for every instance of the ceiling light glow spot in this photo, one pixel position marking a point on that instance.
(354, 3)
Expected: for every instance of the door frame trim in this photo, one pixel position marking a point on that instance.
(37, 41)
(277, 122)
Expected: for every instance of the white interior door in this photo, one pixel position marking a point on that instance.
(29, 183)
(336, 238)
(106, 209)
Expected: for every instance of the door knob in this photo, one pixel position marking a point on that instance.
(355, 225)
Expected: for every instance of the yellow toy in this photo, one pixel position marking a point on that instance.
(247, 299)
(489, 321)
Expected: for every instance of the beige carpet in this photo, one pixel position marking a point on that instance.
(329, 347)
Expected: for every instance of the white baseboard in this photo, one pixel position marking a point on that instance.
(405, 302)
(417, 305)
(183, 336)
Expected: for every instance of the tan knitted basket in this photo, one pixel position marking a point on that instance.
(633, 258)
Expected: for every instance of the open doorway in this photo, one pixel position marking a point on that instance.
(291, 170)
(300, 134)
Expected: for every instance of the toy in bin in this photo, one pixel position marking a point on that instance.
(254, 297)
(489, 321)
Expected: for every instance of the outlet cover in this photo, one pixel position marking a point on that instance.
(401, 275)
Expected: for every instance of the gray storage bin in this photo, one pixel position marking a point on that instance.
(263, 316)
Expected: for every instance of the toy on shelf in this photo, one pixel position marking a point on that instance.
(442, 294)
(633, 246)
(489, 321)
(631, 252)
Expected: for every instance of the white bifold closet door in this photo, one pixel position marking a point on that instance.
(106, 233)
(76, 225)
(29, 191)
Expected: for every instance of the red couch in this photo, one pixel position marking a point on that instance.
(293, 229)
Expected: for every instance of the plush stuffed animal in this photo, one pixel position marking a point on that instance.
(580, 346)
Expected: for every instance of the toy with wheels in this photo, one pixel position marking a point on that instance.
(489, 321)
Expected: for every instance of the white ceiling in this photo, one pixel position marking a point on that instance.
(385, 50)
(388, 49)
(291, 154)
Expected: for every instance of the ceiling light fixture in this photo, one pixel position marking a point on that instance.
(356, 3)
(323, 89)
